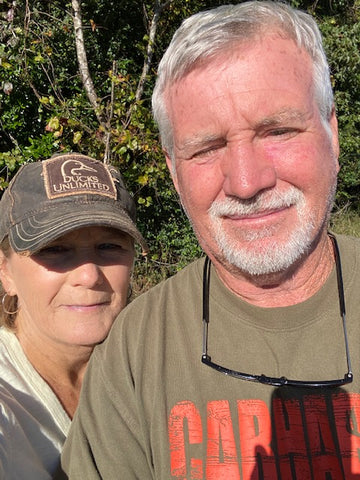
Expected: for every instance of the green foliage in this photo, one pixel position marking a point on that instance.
(342, 41)
(346, 222)
(44, 108)
(47, 110)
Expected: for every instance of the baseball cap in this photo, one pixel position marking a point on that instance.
(48, 199)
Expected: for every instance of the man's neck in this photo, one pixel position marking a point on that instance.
(284, 288)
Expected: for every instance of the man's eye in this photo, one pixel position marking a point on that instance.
(207, 151)
(287, 132)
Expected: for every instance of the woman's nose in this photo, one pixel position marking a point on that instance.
(87, 274)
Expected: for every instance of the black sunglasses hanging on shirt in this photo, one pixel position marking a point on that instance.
(274, 381)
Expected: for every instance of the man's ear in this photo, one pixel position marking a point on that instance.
(335, 136)
(5, 275)
(171, 166)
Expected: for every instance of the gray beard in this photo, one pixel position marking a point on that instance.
(277, 256)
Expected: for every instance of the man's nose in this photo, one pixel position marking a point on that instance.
(247, 171)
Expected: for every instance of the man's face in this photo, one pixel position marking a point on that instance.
(255, 167)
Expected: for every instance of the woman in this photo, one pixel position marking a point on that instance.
(67, 237)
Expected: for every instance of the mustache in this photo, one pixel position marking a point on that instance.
(262, 202)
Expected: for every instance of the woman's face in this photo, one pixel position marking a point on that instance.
(70, 292)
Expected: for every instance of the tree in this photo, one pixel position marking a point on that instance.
(78, 77)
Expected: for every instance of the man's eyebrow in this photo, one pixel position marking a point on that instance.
(280, 117)
(198, 141)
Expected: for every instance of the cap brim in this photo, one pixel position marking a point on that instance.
(37, 231)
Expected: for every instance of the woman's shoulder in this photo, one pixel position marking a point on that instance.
(12, 357)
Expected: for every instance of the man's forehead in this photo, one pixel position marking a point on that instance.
(255, 52)
(239, 46)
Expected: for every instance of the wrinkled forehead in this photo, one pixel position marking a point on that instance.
(183, 61)
(276, 58)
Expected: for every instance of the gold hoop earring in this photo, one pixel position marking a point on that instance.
(4, 308)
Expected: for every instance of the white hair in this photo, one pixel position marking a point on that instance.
(207, 34)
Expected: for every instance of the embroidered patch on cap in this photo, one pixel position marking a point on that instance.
(77, 176)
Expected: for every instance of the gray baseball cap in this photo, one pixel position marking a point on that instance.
(48, 199)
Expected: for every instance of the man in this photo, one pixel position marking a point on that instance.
(239, 366)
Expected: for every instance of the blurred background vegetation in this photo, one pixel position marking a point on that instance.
(78, 76)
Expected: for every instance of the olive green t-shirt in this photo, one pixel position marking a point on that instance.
(150, 409)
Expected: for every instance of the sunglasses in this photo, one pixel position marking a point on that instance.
(264, 379)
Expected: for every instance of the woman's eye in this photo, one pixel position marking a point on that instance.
(53, 256)
(52, 250)
(108, 246)
(111, 247)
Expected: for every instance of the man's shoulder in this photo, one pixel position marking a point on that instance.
(167, 299)
(161, 306)
(348, 245)
(186, 279)
(349, 248)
